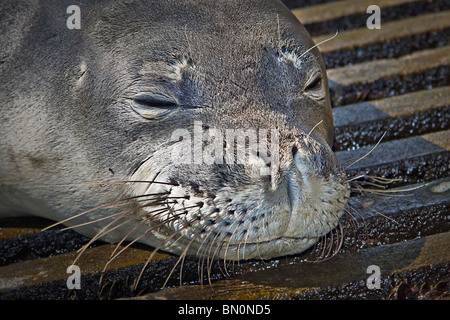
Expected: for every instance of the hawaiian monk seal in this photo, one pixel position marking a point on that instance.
(130, 99)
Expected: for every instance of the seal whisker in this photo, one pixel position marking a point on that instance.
(106, 205)
(200, 270)
(318, 44)
(182, 262)
(161, 223)
(384, 193)
(367, 183)
(92, 221)
(352, 217)
(279, 30)
(377, 212)
(325, 245)
(246, 238)
(203, 254)
(383, 180)
(210, 259)
(356, 177)
(336, 244)
(162, 243)
(181, 258)
(114, 255)
(370, 151)
(330, 245)
(115, 182)
(361, 217)
(188, 223)
(393, 193)
(149, 259)
(107, 229)
(155, 212)
(102, 232)
(339, 239)
(115, 214)
(309, 133)
(258, 248)
(204, 248)
(380, 183)
(229, 242)
(341, 243)
(219, 247)
(238, 254)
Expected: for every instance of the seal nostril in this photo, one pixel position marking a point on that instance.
(294, 151)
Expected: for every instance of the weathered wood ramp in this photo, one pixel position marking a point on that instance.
(390, 89)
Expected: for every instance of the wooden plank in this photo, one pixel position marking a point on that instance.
(36, 272)
(17, 226)
(373, 70)
(13, 232)
(287, 279)
(396, 150)
(392, 107)
(440, 139)
(338, 9)
(391, 30)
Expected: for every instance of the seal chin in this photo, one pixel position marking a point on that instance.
(266, 249)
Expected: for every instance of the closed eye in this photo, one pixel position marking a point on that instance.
(154, 100)
(153, 105)
(314, 83)
(314, 87)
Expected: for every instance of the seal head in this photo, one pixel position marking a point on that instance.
(219, 114)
